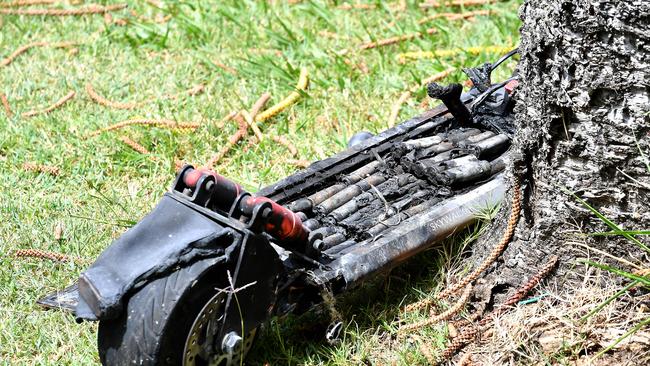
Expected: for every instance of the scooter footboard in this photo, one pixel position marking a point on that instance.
(172, 235)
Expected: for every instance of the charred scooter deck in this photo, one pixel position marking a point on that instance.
(330, 226)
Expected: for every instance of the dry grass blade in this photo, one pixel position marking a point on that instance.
(40, 168)
(417, 55)
(259, 104)
(251, 123)
(497, 249)
(19, 3)
(26, 47)
(93, 9)
(5, 104)
(54, 106)
(286, 143)
(163, 123)
(105, 102)
(397, 39)
(225, 68)
(134, 145)
(292, 98)
(225, 119)
(232, 141)
(394, 112)
(454, 16)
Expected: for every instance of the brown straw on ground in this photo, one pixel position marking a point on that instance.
(225, 119)
(418, 55)
(437, 4)
(286, 143)
(394, 112)
(93, 9)
(5, 104)
(232, 141)
(105, 102)
(44, 254)
(356, 6)
(40, 168)
(259, 104)
(19, 3)
(197, 89)
(300, 163)
(454, 16)
(26, 47)
(163, 123)
(285, 103)
(393, 40)
(252, 124)
(54, 106)
(498, 248)
(134, 145)
(446, 315)
(225, 68)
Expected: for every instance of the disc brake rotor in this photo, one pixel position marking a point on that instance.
(200, 346)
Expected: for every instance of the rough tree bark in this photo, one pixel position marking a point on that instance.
(583, 98)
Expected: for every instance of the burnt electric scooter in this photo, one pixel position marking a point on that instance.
(191, 283)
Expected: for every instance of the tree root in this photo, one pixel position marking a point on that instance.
(497, 250)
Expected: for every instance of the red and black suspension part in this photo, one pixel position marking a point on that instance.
(207, 188)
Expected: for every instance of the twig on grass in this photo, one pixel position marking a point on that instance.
(225, 68)
(9, 59)
(286, 143)
(252, 124)
(259, 104)
(163, 123)
(93, 9)
(232, 141)
(5, 104)
(44, 254)
(197, 89)
(105, 102)
(300, 163)
(19, 3)
(454, 16)
(134, 145)
(40, 168)
(54, 106)
(394, 111)
(396, 39)
(292, 98)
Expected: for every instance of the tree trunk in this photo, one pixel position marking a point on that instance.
(582, 100)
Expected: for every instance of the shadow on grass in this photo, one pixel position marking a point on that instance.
(369, 313)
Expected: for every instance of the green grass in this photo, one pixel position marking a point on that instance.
(104, 186)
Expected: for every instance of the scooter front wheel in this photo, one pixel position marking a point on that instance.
(172, 321)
